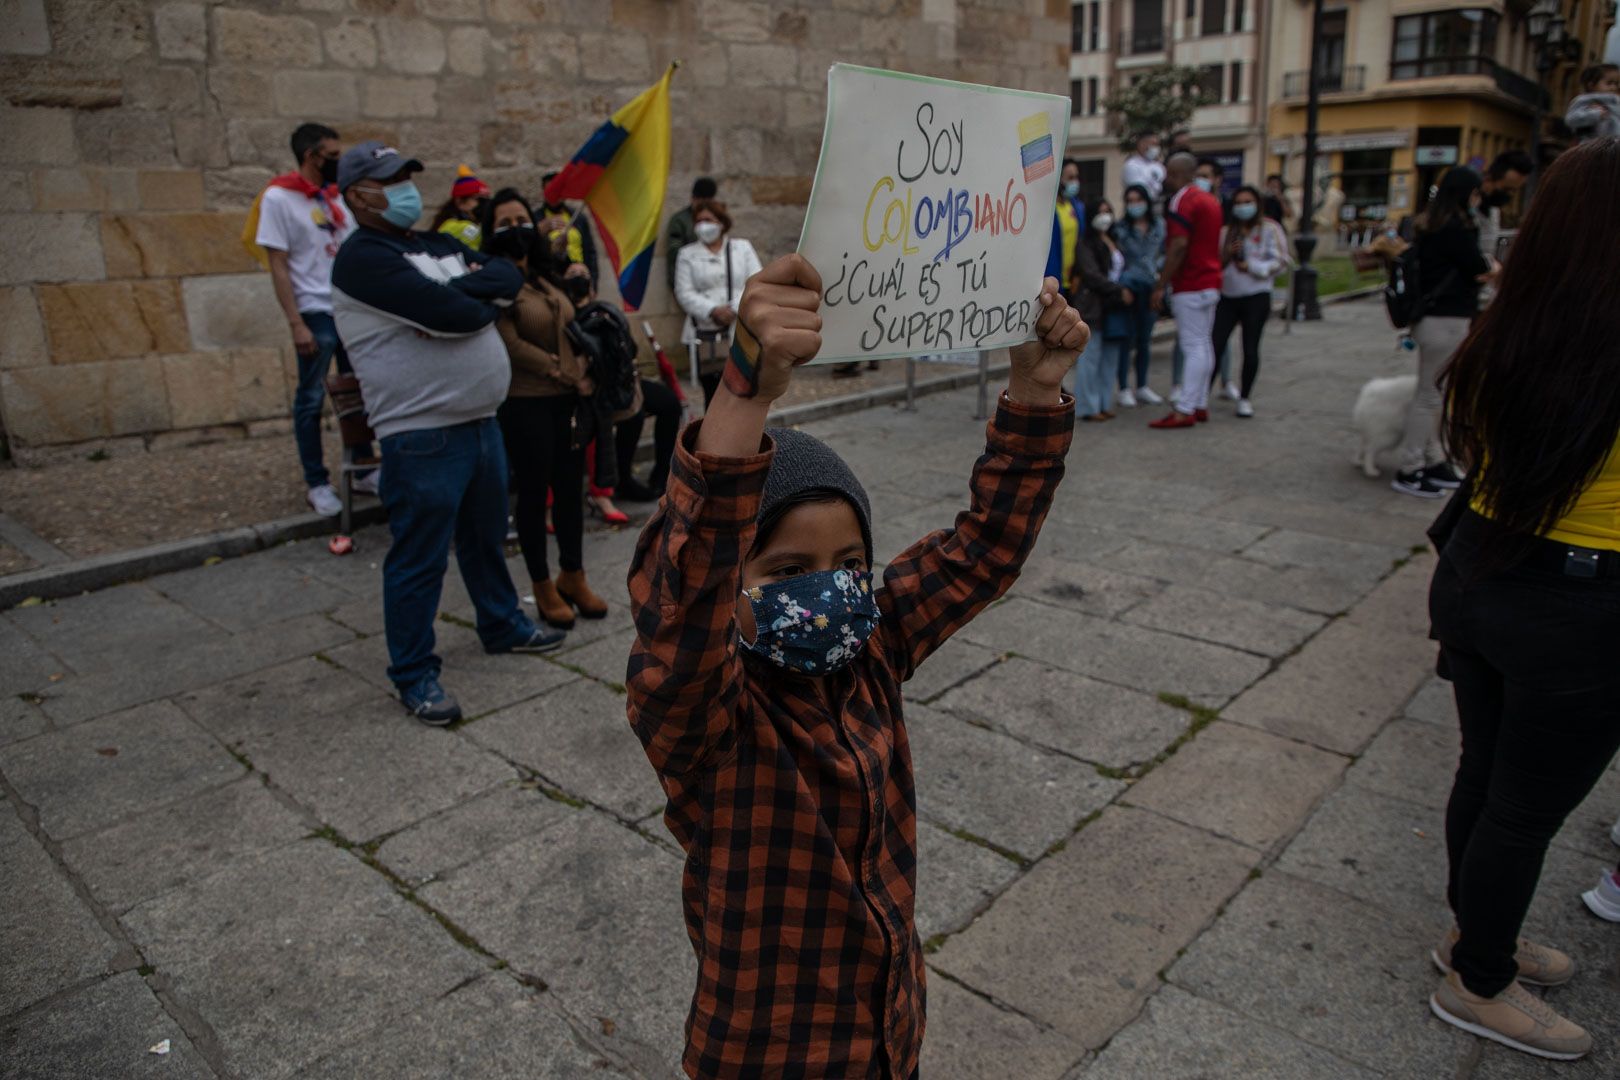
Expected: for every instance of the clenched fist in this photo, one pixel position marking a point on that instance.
(1038, 366)
(778, 329)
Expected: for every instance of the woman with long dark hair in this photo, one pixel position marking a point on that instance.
(1253, 252)
(1099, 265)
(1449, 269)
(1525, 600)
(538, 416)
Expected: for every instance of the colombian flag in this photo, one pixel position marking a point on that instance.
(621, 173)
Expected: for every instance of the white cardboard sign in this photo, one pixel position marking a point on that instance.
(931, 215)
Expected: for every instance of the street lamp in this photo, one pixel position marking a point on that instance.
(1305, 304)
(1545, 25)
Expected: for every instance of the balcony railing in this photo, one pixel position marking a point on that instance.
(1141, 40)
(1352, 79)
(1507, 80)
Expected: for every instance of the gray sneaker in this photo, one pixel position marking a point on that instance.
(1515, 1018)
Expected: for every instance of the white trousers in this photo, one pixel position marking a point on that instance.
(1195, 325)
(1437, 338)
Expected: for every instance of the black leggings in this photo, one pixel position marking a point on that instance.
(1251, 312)
(537, 432)
(659, 402)
(1538, 700)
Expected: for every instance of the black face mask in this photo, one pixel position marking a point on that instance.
(514, 241)
(578, 289)
(329, 170)
(1496, 198)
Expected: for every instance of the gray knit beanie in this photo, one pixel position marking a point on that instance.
(804, 465)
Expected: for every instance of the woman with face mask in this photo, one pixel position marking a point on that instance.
(464, 209)
(710, 274)
(538, 418)
(1253, 252)
(1139, 235)
(1101, 265)
(1450, 267)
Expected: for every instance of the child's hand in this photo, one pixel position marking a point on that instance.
(1038, 366)
(778, 328)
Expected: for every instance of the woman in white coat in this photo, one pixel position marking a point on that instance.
(709, 276)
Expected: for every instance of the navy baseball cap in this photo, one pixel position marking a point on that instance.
(371, 160)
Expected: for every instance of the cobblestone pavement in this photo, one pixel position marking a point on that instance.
(1181, 796)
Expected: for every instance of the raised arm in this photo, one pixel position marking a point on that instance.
(940, 583)
(685, 671)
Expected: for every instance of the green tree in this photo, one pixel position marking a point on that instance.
(1160, 100)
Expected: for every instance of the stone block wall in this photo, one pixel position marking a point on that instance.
(135, 133)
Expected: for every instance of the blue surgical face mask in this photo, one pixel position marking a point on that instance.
(1245, 211)
(404, 204)
(1071, 189)
(1204, 185)
(813, 624)
(1136, 209)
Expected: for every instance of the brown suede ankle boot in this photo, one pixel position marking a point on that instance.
(552, 607)
(573, 588)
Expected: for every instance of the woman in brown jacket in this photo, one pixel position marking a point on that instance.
(538, 417)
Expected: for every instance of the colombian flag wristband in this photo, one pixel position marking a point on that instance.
(742, 369)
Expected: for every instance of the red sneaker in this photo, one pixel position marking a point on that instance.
(1201, 415)
(1173, 420)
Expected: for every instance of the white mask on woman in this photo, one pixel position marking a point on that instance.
(707, 231)
(1103, 222)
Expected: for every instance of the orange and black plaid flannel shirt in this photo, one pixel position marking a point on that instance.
(793, 797)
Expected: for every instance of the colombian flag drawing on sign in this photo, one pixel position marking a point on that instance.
(621, 172)
(1035, 145)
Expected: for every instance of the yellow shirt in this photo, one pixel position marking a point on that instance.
(1594, 520)
(1069, 227)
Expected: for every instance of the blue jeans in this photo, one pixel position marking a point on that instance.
(440, 483)
(311, 394)
(1093, 388)
(1140, 340)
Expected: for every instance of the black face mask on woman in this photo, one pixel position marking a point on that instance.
(1495, 198)
(513, 241)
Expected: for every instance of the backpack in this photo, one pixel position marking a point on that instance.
(602, 335)
(1403, 293)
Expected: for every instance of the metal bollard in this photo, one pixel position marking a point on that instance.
(911, 385)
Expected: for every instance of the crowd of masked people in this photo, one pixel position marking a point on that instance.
(506, 396)
(1171, 245)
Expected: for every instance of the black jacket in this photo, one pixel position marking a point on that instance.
(1450, 263)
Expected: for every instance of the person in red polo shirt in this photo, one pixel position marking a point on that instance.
(1192, 269)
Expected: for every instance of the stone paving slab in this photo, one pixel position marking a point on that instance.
(1113, 908)
(129, 625)
(1186, 1037)
(1240, 783)
(277, 697)
(1114, 652)
(969, 1038)
(240, 594)
(1016, 796)
(349, 770)
(1434, 704)
(1406, 761)
(106, 1029)
(1326, 593)
(494, 1027)
(578, 739)
(956, 880)
(952, 664)
(24, 663)
(1388, 852)
(1158, 523)
(606, 659)
(165, 849)
(593, 910)
(20, 719)
(1287, 547)
(1315, 518)
(95, 774)
(1059, 710)
(1052, 579)
(468, 831)
(1339, 689)
(1269, 630)
(48, 938)
(220, 656)
(1357, 983)
(293, 954)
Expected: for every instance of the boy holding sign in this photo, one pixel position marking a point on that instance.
(765, 686)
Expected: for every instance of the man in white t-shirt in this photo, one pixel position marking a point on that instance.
(1143, 167)
(301, 224)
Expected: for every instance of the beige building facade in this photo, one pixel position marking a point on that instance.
(1113, 41)
(135, 133)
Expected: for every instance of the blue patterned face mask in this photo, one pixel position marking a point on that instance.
(814, 624)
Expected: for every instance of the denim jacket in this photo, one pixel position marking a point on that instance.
(1144, 252)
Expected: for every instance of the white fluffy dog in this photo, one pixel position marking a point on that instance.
(1380, 417)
